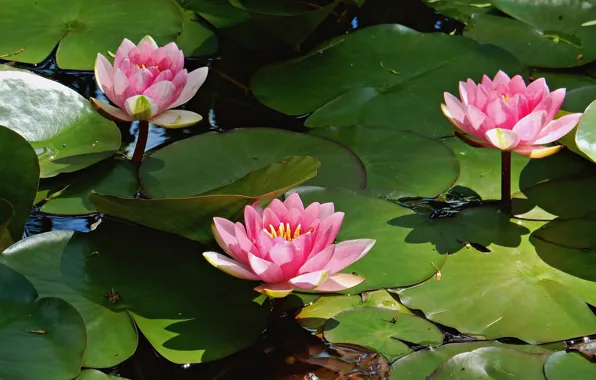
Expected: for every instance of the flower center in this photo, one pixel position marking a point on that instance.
(144, 67)
(285, 231)
(505, 98)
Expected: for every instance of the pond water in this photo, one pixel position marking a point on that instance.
(286, 350)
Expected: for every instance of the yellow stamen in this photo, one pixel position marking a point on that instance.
(273, 234)
(505, 98)
(297, 231)
(285, 231)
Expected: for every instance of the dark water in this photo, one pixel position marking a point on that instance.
(285, 351)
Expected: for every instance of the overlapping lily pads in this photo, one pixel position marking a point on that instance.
(176, 303)
(582, 139)
(563, 365)
(40, 338)
(421, 364)
(192, 217)
(93, 374)
(65, 131)
(398, 258)
(492, 363)
(395, 165)
(82, 28)
(504, 292)
(67, 194)
(356, 79)
(198, 164)
(383, 330)
(20, 174)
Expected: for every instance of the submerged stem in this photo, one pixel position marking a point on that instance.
(137, 156)
(506, 182)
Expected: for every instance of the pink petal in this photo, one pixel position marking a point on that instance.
(126, 66)
(130, 105)
(294, 202)
(339, 282)
(455, 108)
(501, 78)
(537, 151)
(327, 209)
(282, 252)
(497, 113)
(502, 139)
(266, 270)
(310, 214)
(517, 85)
(164, 75)
(467, 92)
(538, 87)
(252, 221)
(558, 128)
(477, 123)
(121, 88)
(263, 243)
(244, 243)
(328, 231)
(122, 53)
(270, 219)
(482, 97)
(162, 93)
(141, 80)
(103, 72)
(487, 83)
(318, 261)
(280, 209)
(195, 80)
(180, 81)
(529, 126)
(311, 280)
(279, 290)
(557, 98)
(229, 266)
(224, 232)
(109, 111)
(348, 252)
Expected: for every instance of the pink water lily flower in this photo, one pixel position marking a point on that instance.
(145, 82)
(288, 246)
(505, 114)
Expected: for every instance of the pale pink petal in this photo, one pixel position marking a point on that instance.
(310, 214)
(294, 201)
(537, 151)
(282, 252)
(279, 290)
(162, 93)
(529, 126)
(174, 119)
(177, 62)
(243, 240)
(103, 72)
(557, 98)
(311, 280)
(121, 88)
(140, 80)
(164, 75)
(122, 53)
(501, 78)
(252, 221)
(348, 252)
(455, 108)
(558, 128)
(179, 81)
(224, 233)
(328, 231)
(538, 87)
(195, 80)
(126, 66)
(502, 139)
(230, 266)
(266, 270)
(327, 209)
(339, 282)
(270, 219)
(487, 83)
(148, 107)
(264, 243)
(481, 98)
(496, 111)
(319, 261)
(467, 92)
(109, 111)
(517, 85)
(148, 43)
(280, 210)
(477, 122)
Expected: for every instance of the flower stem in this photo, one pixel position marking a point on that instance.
(506, 182)
(137, 156)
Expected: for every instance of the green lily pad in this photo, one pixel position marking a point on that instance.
(82, 28)
(569, 246)
(93, 374)
(40, 338)
(573, 205)
(196, 39)
(568, 23)
(316, 314)
(421, 364)
(111, 335)
(563, 365)
(382, 330)
(6, 213)
(201, 163)
(583, 137)
(461, 10)
(394, 164)
(579, 99)
(492, 363)
(67, 194)
(394, 260)
(234, 23)
(531, 44)
(192, 217)
(563, 79)
(181, 314)
(288, 20)
(507, 292)
(355, 79)
(63, 128)
(20, 174)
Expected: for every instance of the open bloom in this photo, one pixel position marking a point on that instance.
(507, 115)
(145, 82)
(288, 246)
